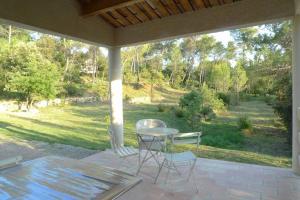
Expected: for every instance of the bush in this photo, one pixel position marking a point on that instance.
(210, 99)
(191, 104)
(178, 112)
(244, 123)
(245, 97)
(224, 97)
(162, 108)
(74, 89)
(103, 90)
(270, 100)
(127, 98)
(207, 113)
(283, 104)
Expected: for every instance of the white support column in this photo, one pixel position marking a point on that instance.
(116, 98)
(296, 95)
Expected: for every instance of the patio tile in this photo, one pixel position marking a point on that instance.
(215, 180)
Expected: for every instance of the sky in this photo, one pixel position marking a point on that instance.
(223, 37)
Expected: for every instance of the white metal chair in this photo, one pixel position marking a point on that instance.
(150, 123)
(146, 142)
(122, 151)
(172, 160)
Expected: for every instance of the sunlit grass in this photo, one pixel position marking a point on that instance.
(85, 126)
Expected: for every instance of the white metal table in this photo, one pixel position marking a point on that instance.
(156, 135)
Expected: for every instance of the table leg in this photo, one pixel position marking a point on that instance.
(148, 150)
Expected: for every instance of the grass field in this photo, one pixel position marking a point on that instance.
(84, 125)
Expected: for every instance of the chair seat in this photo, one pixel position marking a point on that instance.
(180, 157)
(126, 151)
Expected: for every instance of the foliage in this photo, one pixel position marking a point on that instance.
(210, 99)
(102, 90)
(192, 104)
(207, 113)
(244, 123)
(200, 105)
(225, 97)
(162, 108)
(283, 105)
(220, 78)
(270, 99)
(178, 112)
(239, 79)
(31, 75)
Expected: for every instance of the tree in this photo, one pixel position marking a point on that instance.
(192, 104)
(205, 48)
(244, 38)
(153, 60)
(11, 34)
(31, 75)
(239, 79)
(189, 53)
(175, 65)
(220, 78)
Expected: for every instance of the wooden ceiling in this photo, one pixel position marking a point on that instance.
(122, 13)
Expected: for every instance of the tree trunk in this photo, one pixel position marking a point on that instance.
(137, 69)
(67, 60)
(94, 65)
(66, 69)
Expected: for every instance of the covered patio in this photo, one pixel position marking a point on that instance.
(214, 179)
(121, 23)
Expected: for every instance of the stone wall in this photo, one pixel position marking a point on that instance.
(8, 106)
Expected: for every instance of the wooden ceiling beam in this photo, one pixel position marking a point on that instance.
(96, 7)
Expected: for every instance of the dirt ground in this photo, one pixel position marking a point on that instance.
(33, 149)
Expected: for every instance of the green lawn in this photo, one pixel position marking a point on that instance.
(84, 125)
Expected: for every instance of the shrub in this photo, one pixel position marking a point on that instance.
(245, 97)
(244, 123)
(127, 98)
(103, 90)
(210, 98)
(225, 98)
(74, 89)
(191, 104)
(162, 108)
(283, 104)
(270, 100)
(207, 113)
(178, 112)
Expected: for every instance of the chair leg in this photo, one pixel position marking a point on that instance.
(168, 172)
(194, 182)
(191, 169)
(141, 164)
(176, 169)
(139, 157)
(159, 170)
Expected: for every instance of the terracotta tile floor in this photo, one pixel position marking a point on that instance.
(214, 179)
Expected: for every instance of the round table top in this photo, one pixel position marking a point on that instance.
(158, 132)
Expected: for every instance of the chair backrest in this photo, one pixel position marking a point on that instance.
(188, 138)
(150, 123)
